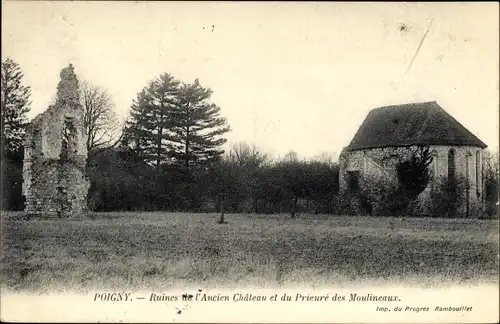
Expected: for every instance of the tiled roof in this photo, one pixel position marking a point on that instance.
(423, 123)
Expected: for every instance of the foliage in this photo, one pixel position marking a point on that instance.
(175, 123)
(248, 164)
(12, 177)
(197, 126)
(491, 179)
(121, 181)
(413, 172)
(223, 183)
(323, 184)
(15, 104)
(378, 197)
(148, 131)
(15, 101)
(413, 177)
(294, 175)
(447, 196)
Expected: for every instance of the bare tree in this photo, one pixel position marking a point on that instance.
(247, 154)
(248, 161)
(327, 158)
(101, 121)
(491, 163)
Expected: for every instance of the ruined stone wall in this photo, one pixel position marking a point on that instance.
(54, 180)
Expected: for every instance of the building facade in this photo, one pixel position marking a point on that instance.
(389, 134)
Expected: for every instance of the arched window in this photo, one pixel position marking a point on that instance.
(451, 164)
(478, 173)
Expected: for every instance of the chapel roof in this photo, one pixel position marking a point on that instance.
(424, 123)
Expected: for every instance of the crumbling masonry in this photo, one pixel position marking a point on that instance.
(55, 155)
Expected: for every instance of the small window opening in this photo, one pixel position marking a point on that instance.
(353, 180)
(451, 164)
(68, 133)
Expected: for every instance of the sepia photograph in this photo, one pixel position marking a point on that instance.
(249, 161)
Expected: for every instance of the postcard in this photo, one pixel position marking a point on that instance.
(274, 162)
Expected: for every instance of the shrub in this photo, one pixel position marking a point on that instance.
(491, 197)
(380, 197)
(413, 172)
(446, 197)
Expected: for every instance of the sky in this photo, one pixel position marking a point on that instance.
(296, 76)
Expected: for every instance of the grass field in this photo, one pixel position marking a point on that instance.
(166, 250)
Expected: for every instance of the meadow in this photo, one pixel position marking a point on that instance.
(168, 250)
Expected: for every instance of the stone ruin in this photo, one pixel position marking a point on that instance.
(55, 156)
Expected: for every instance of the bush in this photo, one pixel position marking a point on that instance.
(11, 176)
(491, 197)
(380, 198)
(447, 196)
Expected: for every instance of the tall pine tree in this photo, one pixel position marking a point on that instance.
(176, 124)
(15, 102)
(198, 126)
(148, 130)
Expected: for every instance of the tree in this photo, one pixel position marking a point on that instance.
(250, 155)
(175, 123)
(270, 187)
(413, 177)
(322, 182)
(101, 120)
(491, 179)
(223, 182)
(148, 131)
(15, 105)
(198, 126)
(248, 161)
(447, 196)
(413, 171)
(294, 176)
(121, 181)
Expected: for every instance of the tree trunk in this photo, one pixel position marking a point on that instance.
(217, 204)
(221, 220)
(237, 203)
(295, 198)
(307, 204)
(255, 202)
(158, 149)
(3, 141)
(186, 152)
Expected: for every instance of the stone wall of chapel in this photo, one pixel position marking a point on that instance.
(467, 164)
(381, 162)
